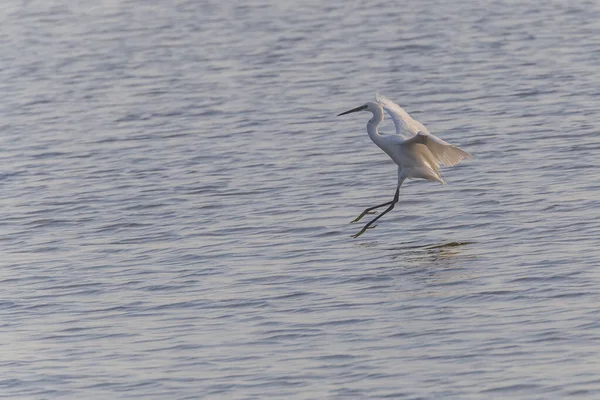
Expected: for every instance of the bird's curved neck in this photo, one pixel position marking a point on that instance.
(373, 124)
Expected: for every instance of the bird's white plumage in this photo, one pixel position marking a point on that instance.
(416, 133)
(417, 152)
(406, 126)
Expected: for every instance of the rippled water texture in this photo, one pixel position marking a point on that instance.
(176, 195)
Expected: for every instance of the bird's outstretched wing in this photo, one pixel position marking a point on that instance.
(443, 152)
(405, 125)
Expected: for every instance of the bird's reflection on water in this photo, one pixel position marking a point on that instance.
(433, 264)
(434, 252)
(436, 265)
(443, 254)
(412, 270)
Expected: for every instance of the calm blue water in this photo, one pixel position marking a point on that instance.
(176, 194)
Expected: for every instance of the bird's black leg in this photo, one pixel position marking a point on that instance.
(391, 206)
(369, 211)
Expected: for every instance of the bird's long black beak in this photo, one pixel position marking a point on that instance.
(354, 110)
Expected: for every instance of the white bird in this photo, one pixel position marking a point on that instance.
(417, 152)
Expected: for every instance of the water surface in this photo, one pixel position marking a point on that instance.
(177, 191)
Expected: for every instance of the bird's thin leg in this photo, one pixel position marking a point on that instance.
(369, 211)
(392, 204)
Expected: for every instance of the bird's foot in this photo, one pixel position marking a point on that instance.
(363, 230)
(355, 220)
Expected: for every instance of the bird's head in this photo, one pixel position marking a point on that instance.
(370, 106)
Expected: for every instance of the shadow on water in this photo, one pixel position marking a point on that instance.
(440, 251)
(437, 264)
(419, 270)
(432, 252)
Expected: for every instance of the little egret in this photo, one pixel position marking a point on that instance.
(417, 152)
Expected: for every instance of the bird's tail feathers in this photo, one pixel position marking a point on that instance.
(425, 172)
